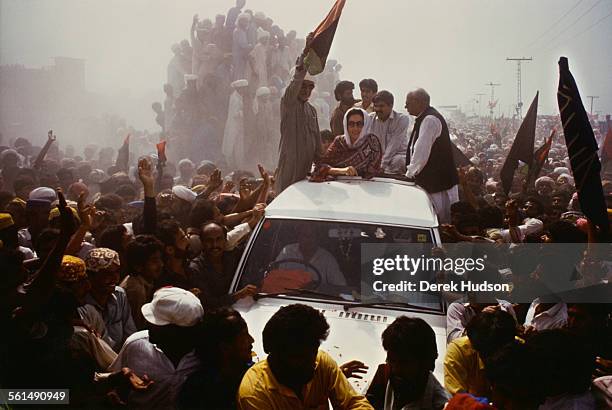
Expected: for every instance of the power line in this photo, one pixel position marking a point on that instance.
(555, 23)
(571, 25)
(585, 30)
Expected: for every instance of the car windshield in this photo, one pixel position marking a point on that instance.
(322, 260)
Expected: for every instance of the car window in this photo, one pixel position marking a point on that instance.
(322, 256)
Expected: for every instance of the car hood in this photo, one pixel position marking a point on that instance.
(354, 335)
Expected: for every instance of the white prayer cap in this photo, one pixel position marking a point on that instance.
(567, 177)
(184, 193)
(240, 83)
(260, 15)
(243, 16)
(43, 193)
(262, 34)
(96, 176)
(561, 170)
(173, 306)
(544, 180)
(261, 91)
(191, 77)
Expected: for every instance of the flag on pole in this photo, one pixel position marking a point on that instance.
(323, 36)
(522, 147)
(161, 152)
(581, 148)
(539, 158)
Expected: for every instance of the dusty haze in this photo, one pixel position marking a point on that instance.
(451, 48)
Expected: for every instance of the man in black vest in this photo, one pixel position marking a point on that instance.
(429, 159)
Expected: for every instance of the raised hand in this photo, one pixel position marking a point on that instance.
(228, 187)
(215, 180)
(86, 212)
(145, 174)
(264, 175)
(50, 136)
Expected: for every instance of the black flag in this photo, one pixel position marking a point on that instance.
(581, 148)
(522, 147)
(461, 160)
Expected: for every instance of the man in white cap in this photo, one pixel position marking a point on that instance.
(165, 352)
(300, 140)
(183, 199)
(258, 58)
(43, 193)
(233, 146)
(265, 145)
(241, 47)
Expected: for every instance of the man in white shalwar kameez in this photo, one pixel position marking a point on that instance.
(233, 146)
(259, 62)
(429, 159)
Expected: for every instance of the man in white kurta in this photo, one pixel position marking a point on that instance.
(420, 152)
(233, 146)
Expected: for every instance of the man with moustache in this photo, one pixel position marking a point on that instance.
(300, 143)
(429, 159)
(214, 269)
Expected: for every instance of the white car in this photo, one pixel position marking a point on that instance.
(329, 222)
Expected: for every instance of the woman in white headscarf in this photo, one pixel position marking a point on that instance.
(357, 152)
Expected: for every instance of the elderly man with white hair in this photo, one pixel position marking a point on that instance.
(186, 170)
(429, 159)
(258, 59)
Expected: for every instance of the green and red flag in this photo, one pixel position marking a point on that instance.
(539, 158)
(323, 37)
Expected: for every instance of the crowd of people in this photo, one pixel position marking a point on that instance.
(224, 88)
(117, 265)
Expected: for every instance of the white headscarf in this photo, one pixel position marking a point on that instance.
(367, 123)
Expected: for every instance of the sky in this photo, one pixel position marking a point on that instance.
(451, 48)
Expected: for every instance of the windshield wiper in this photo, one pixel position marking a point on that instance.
(348, 306)
(294, 292)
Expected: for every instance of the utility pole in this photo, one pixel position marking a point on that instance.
(592, 97)
(479, 95)
(492, 85)
(519, 97)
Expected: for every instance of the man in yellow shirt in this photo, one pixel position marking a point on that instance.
(464, 364)
(296, 374)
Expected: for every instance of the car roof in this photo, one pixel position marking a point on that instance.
(377, 200)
